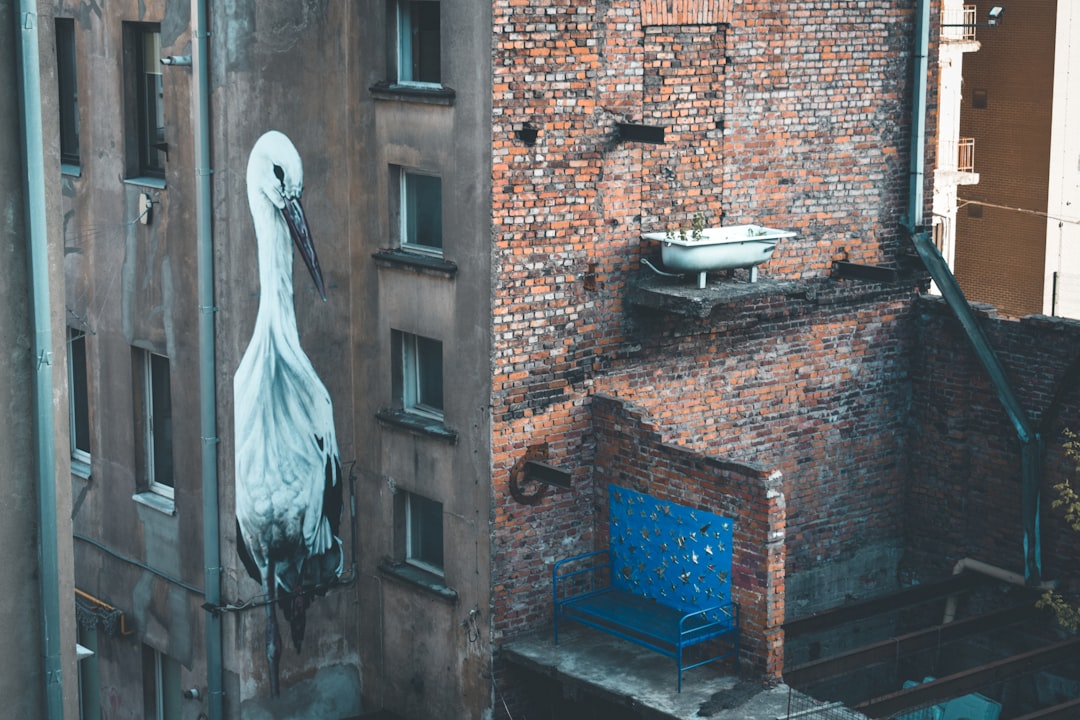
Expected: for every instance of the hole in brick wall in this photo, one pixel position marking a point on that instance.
(589, 280)
(979, 99)
(640, 133)
(975, 211)
(527, 134)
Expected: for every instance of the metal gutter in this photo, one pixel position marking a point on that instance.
(45, 466)
(918, 116)
(1030, 440)
(200, 11)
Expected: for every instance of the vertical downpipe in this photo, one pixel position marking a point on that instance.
(37, 232)
(207, 366)
(918, 116)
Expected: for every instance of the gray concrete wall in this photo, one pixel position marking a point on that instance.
(22, 672)
(421, 659)
(131, 284)
(304, 69)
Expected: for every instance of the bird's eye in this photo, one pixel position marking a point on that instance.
(279, 173)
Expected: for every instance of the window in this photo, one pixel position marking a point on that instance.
(419, 44)
(69, 91)
(78, 402)
(418, 374)
(154, 422)
(420, 216)
(423, 533)
(147, 115)
(161, 685)
(89, 694)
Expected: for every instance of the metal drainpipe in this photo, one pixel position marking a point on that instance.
(207, 367)
(37, 233)
(1031, 442)
(918, 116)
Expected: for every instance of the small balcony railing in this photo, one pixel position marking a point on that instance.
(958, 23)
(965, 155)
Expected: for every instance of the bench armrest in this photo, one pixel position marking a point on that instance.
(589, 568)
(730, 610)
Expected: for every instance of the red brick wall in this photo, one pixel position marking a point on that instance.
(817, 127)
(631, 452)
(964, 498)
(813, 386)
(1000, 255)
(793, 115)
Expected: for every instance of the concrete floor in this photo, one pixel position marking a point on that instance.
(588, 662)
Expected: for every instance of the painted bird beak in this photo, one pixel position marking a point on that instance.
(298, 227)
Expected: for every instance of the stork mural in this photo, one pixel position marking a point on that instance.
(288, 472)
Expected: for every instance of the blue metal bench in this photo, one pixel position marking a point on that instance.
(664, 584)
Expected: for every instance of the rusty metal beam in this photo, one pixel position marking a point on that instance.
(969, 680)
(906, 644)
(909, 597)
(1065, 711)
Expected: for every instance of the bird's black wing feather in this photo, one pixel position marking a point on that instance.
(245, 555)
(332, 494)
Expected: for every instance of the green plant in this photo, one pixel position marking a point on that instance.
(697, 230)
(1068, 616)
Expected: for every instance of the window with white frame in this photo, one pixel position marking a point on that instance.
(78, 402)
(418, 374)
(154, 422)
(420, 212)
(89, 692)
(161, 685)
(146, 106)
(419, 44)
(423, 533)
(68, 87)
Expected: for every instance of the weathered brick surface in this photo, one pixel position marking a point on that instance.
(816, 388)
(792, 115)
(630, 451)
(964, 498)
(1000, 254)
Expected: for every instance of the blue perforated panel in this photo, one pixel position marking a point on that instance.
(671, 553)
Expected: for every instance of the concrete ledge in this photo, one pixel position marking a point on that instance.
(587, 662)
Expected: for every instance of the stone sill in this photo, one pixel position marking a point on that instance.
(420, 579)
(417, 424)
(433, 95)
(729, 297)
(423, 264)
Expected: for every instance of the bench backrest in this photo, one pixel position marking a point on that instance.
(677, 555)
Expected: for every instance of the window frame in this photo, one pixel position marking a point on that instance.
(162, 685)
(406, 200)
(148, 153)
(155, 424)
(406, 34)
(410, 372)
(417, 519)
(79, 402)
(67, 83)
